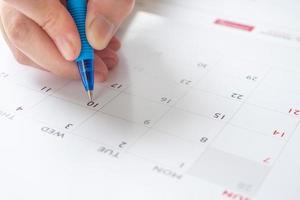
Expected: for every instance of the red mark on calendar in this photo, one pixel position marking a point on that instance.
(235, 25)
(278, 133)
(295, 112)
(234, 196)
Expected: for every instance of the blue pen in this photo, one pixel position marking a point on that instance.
(85, 61)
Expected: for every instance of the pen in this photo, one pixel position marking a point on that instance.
(85, 61)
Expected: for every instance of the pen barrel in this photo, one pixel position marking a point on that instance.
(86, 70)
(78, 10)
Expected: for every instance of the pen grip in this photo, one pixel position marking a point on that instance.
(78, 10)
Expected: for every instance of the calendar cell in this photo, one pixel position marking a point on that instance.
(122, 76)
(238, 141)
(243, 69)
(21, 101)
(209, 105)
(135, 109)
(62, 114)
(118, 78)
(227, 86)
(39, 80)
(283, 80)
(102, 95)
(115, 132)
(166, 93)
(190, 126)
(166, 149)
(278, 100)
(229, 171)
(265, 121)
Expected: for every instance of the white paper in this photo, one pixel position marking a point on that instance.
(200, 107)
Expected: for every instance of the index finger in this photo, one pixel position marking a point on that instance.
(54, 18)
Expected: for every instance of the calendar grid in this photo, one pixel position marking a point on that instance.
(170, 108)
(240, 106)
(228, 122)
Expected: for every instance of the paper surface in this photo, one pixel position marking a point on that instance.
(201, 106)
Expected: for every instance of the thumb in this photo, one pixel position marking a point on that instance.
(104, 18)
(54, 18)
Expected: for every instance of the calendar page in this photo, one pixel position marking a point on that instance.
(201, 107)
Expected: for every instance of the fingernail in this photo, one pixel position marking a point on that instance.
(99, 77)
(100, 32)
(66, 47)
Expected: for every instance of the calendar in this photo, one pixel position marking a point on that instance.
(207, 110)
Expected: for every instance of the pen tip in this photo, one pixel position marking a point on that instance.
(90, 95)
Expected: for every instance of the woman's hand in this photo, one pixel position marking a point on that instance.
(42, 33)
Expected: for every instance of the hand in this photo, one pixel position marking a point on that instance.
(42, 33)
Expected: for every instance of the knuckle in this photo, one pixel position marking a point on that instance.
(21, 58)
(51, 19)
(18, 30)
(68, 71)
